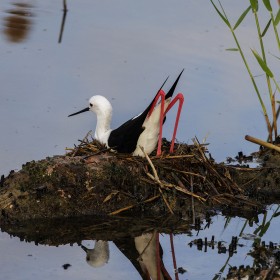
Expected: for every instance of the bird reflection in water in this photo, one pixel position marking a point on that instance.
(141, 251)
(99, 255)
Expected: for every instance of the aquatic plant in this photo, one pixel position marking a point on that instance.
(261, 57)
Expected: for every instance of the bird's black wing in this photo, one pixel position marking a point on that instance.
(124, 138)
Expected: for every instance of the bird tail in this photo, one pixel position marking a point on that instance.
(169, 94)
(172, 89)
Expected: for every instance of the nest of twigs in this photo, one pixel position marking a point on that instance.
(188, 173)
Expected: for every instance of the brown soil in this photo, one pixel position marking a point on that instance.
(94, 182)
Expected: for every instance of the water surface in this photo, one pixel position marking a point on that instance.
(123, 50)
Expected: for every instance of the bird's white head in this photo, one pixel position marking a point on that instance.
(103, 110)
(100, 105)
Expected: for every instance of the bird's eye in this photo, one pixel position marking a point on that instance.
(90, 104)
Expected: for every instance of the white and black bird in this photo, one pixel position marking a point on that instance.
(140, 131)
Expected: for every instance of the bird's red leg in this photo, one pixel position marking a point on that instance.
(180, 98)
(161, 94)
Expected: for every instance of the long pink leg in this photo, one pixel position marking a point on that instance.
(161, 94)
(179, 97)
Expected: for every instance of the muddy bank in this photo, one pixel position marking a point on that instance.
(105, 183)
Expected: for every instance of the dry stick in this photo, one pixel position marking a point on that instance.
(215, 171)
(81, 143)
(191, 178)
(181, 187)
(98, 153)
(252, 180)
(184, 172)
(208, 164)
(156, 178)
(262, 143)
(169, 186)
(166, 185)
(160, 190)
(180, 156)
(131, 206)
(178, 188)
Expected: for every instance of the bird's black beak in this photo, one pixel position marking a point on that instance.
(84, 110)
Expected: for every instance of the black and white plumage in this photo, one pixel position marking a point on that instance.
(140, 131)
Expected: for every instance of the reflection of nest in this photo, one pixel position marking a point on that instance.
(266, 264)
(187, 173)
(55, 232)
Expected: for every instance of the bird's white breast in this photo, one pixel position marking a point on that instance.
(148, 139)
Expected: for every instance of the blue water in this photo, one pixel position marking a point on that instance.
(124, 50)
(21, 260)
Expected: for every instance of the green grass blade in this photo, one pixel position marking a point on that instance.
(221, 15)
(242, 17)
(267, 5)
(254, 5)
(277, 18)
(232, 49)
(264, 229)
(266, 28)
(262, 64)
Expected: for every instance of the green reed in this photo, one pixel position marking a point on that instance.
(272, 84)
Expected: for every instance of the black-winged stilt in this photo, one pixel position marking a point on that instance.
(144, 130)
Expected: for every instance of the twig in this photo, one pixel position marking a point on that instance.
(193, 210)
(184, 172)
(83, 141)
(167, 185)
(131, 206)
(210, 165)
(98, 153)
(156, 178)
(151, 164)
(179, 156)
(262, 143)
